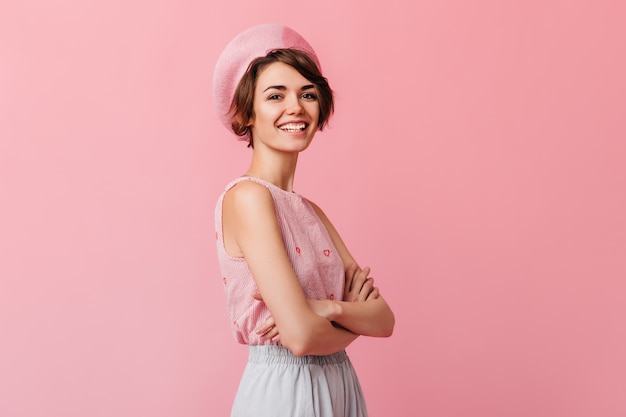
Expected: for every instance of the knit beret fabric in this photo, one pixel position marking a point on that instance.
(250, 44)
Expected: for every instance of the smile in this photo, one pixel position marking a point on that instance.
(293, 127)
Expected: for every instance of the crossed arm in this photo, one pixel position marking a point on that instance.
(306, 327)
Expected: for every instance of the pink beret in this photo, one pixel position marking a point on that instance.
(245, 47)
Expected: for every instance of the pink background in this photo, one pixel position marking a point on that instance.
(476, 162)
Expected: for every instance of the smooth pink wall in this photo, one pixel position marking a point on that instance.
(476, 162)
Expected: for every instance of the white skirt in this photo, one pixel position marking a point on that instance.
(276, 383)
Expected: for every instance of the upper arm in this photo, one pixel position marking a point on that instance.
(249, 221)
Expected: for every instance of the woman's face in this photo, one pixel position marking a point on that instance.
(286, 110)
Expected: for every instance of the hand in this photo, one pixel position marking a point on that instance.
(359, 287)
(267, 330)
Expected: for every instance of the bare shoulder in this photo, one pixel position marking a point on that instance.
(247, 197)
(247, 213)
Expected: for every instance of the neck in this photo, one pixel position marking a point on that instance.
(279, 169)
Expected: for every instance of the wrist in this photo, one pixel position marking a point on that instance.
(335, 311)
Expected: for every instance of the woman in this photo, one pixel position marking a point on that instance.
(295, 295)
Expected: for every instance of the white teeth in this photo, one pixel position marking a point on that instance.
(293, 127)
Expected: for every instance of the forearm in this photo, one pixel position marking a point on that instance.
(318, 337)
(367, 318)
(308, 331)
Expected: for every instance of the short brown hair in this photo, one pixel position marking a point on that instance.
(242, 106)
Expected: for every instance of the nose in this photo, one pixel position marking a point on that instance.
(293, 104)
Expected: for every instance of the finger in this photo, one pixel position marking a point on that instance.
(350, 272)
(374, 294)
(366, 289)
(266, 326)
(359, 279)
(350, 275)
(271, 334)
(363, 275)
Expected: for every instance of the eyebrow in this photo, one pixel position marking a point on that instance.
(283, 88)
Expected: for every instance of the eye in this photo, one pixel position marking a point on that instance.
(309, 96)
(274, 97)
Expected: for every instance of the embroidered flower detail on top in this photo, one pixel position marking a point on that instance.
(327, 252)
(224, 280)
(298, 250)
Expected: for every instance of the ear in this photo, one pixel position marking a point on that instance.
(250, 121)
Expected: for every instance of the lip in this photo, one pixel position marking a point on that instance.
(294, 122)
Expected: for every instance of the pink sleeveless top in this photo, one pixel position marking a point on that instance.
(313, 256)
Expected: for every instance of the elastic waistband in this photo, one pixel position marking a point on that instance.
(274, 354)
